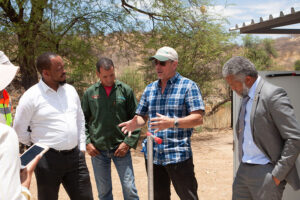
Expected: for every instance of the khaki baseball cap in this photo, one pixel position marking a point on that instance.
(164, 54)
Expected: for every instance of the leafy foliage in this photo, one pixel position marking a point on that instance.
(77, 31)
(134, 79)
(260, 52)
(199, 39)
(297, 65)
(41, 25)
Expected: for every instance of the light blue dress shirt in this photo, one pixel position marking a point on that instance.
(251, 153)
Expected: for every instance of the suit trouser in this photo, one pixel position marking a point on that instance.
(255, 182)
(183, 179)
(68, 168)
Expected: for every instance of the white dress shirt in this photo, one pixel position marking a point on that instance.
(252, 154)
(10, 165)
(55, 117)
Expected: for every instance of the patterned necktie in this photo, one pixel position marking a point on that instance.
(241, 122)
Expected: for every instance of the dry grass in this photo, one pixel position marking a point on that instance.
(221, 119)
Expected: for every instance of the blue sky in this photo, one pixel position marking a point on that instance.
(239, 11)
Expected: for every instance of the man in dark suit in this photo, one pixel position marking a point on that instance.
(268, 133)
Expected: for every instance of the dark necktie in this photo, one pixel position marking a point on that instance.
(241, 122)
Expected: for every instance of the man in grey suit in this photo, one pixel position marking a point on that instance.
(268, 133)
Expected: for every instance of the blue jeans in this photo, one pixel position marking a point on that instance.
(102, 170)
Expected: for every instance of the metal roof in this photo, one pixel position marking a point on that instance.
(270, 25)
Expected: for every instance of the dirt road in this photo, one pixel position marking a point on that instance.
(213, 167)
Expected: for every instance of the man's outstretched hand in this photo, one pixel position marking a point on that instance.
(129, 126)
(161, 122)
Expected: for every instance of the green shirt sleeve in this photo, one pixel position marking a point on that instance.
(87, 115)
(131, 106)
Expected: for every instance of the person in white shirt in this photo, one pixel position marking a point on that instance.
(13, 184)
(52, 110)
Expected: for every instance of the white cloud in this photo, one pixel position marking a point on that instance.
(245, 12)
(266, 8)
(220, 9)
(233, 14)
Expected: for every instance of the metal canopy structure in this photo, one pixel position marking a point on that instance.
(270, 25)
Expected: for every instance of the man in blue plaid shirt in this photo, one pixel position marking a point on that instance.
(174, 106)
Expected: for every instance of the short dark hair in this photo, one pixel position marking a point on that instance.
(44, 61)
(104, 63)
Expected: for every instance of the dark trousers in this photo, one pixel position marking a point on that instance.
(255, 182)
(183, 179)
(68, 168)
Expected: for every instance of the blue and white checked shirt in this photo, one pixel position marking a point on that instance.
(180, 98)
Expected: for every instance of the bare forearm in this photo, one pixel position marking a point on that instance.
(141, 121)
(27, 182)
(190, 121)
(136, 122)
(162, 122)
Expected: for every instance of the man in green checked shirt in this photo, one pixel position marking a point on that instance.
(105, 105)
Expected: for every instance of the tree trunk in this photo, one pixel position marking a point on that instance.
(27, 61)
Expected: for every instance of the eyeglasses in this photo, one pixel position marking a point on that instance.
(157, 62)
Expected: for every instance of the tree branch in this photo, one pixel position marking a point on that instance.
(36, 15)
(150, 14)
(20, 4)
(217, 106)
(9, 11)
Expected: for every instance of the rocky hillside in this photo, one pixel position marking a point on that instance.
(288, 49)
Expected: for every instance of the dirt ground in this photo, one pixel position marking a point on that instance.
(213, 156)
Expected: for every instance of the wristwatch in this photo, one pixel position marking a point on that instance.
(176, 124)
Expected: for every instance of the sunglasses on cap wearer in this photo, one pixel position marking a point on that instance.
(161, 63)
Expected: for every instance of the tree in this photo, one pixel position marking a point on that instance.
(26, 32)
(200, 39)
(74, 29)
(260, 52)
(42, 25)
(297, 65)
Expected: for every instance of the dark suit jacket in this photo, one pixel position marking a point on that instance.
(276, 131)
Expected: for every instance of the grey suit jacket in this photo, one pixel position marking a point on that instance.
(276, 131)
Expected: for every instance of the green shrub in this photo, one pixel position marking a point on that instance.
(297, 65)
(134, 79)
